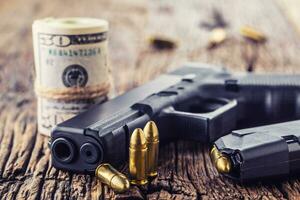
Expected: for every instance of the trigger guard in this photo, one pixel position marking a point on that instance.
(205, 127)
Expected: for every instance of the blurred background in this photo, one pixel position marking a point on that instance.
(133, 22)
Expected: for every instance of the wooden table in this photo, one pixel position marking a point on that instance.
(185, 169)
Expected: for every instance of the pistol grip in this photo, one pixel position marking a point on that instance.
(203, 127)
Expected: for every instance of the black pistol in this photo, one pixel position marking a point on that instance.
(271, 151)
(195, 102)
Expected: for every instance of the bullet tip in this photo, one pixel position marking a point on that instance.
(222, 162)
(113, 178)
(223, 165)
(137, 139)
(120, 183)
(151, 131)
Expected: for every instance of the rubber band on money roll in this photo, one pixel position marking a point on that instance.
(69, 94)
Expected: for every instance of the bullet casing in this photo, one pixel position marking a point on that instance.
(152, 140)
(138, 158)
(113, 178)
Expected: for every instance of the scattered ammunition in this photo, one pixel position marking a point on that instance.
(252, 34)
(221, 162)
(152, 140)
(217, 37)
(138, 158)
(162, 42)
(114, 179)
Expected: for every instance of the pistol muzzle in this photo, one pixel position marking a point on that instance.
(138, 158)
(152, 140)
(221, 161)
(63, 150)
(113, 178)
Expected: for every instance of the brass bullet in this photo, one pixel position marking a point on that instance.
(221, 162)
(252, 34)
(138, 158)
(152, 140)
(113, 178)
(162, 42)
(217, 37)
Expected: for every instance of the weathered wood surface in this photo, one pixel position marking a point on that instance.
(185, 169)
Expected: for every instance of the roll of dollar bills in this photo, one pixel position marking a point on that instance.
(71, 67)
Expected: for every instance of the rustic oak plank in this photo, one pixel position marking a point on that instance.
(291, 9)
(185, 169)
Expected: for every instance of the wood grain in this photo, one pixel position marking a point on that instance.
(291, 9)
(185, 169)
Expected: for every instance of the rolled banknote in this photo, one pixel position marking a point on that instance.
(71, 67)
